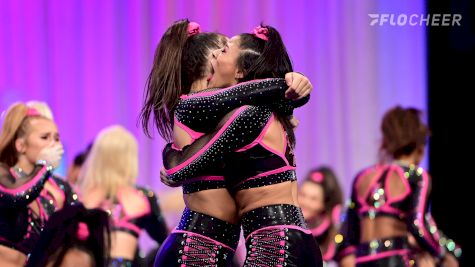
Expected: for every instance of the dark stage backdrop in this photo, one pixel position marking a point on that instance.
(451, 72)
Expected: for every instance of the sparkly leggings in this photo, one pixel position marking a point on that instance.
(199, 240)
(390, 252)
(277, 236)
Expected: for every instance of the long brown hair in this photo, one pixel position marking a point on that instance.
(15, 125)
(403, 132)
(179, 61)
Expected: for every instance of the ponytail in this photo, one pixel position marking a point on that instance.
(181, 58)
(263, 55)
(163, 87)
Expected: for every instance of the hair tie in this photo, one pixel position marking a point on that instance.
(261, 33)
(83, 231)
(317, 177)
(193, 28)
(32, 112)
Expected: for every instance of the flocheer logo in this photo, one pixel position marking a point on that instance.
(415, 19)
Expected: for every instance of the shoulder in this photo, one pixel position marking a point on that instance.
(368, 170)
(63, 185)
(415, 173)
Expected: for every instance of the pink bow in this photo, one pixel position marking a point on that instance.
(193, 28)
(83, 231)
(261, 33)
(317, 177)
(32, 112)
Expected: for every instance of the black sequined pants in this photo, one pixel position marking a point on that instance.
(389, 252)
(277, 236)
(199, 240)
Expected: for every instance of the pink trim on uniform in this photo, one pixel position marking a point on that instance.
(61, 192)
(407, 187)
(322, 227)
(193, 134)
(259, 138)
(279, 170)
(330, 253)
(204, 178)
(202, 236)
(347, 251)
(211, 93)
(127, 215)
(205, 148)
(381, 255)
(281, 226)
(379, 169)
(25, 186)
(127, 225)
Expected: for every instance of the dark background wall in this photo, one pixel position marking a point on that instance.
(451, 72)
